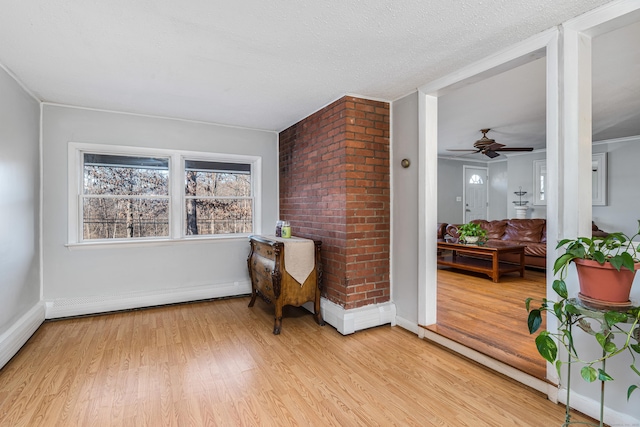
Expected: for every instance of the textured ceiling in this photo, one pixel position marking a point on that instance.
(254, 63)
(513, 104)
(616, 83)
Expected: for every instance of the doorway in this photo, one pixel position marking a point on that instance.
(438, 106)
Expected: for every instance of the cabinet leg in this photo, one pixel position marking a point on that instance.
(277, 326)
(317, 313)
(253, 297)
(278, 318)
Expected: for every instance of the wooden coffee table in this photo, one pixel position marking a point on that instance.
(481, 259)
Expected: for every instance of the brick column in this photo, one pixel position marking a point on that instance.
(334, 187)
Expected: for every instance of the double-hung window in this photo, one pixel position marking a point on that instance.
(124, 196)
(218, 197)
(126, 193)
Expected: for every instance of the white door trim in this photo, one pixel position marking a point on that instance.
(538, 46)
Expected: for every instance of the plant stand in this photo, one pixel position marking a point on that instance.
(598, 315)
(520, 205)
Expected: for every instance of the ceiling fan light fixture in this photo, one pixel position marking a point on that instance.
(489, 147)
(485, 140)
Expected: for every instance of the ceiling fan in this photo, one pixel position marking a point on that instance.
(489, 147)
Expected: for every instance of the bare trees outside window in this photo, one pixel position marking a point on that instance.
(218, 198)
(125, 197)
(128, 197)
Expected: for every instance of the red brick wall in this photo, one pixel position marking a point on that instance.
(334, 187)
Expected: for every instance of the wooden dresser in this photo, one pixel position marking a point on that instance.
(275, 284)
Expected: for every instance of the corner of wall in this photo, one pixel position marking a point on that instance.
(19, 333)
(350, 321)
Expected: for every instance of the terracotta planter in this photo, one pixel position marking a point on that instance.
(603, 282)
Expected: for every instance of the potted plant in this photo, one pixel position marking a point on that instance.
(471, 233)
(611, 260)
(622, 323)
(616, 319)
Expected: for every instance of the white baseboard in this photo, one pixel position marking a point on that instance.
(345, 321)
(509, 371)
(591, 407)
(580, 403)
(408, 325)
(349, 321)
(66, 307)
(17, 335)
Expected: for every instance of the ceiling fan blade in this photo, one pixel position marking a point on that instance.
(495, 146)
(489, 147)
(469, 153)
(515, 149)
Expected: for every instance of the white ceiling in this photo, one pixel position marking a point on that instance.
(616, 84)
(512, 104)
(255, 63)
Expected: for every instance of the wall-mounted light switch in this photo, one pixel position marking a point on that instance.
(458, 198)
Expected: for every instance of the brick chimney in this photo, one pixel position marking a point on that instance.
(334, 187)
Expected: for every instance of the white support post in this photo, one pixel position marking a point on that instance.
(575, 112)
(428, 208)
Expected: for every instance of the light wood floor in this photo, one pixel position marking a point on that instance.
(491, 317)
(217, 363)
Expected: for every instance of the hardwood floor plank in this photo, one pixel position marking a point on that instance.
(217, 363)
(491, 317)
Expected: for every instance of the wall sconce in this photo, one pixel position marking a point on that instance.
(405, 163)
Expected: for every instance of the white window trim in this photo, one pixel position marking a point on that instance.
(176, 187)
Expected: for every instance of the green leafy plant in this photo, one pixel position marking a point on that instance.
(616, 248)
(622, 324)
(471, 229)
(619, 250)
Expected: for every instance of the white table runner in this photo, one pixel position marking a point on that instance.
(299, 257)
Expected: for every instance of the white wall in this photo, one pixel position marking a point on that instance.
(404, 244)
(80, 280)
(19, 202)
(505, 178)
(451, 186)
(498, 186)
(520, 173)
(622, 211)
(21, 312)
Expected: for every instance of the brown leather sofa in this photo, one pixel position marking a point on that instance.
(531, 233)
(441, 231)
(595, 231)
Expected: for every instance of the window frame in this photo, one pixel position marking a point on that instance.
(185, 197)
(177, 197)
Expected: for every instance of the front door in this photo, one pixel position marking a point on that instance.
(475, 193)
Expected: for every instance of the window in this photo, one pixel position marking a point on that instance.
(125, 193)
(124, 197)
(476, 180)
(217, 197)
